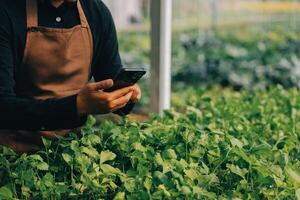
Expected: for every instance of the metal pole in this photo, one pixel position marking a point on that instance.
(161, 32)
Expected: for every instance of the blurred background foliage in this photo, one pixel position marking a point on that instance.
(229, 43)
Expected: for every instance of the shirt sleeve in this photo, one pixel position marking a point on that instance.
(108, 61)
(28, 114)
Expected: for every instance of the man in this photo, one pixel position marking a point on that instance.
(49, 50)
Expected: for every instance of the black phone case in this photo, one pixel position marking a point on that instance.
(127, 77)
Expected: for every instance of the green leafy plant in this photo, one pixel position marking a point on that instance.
(249, 58)
(224, 145)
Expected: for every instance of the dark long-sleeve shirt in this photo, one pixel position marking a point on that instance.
(30, 114)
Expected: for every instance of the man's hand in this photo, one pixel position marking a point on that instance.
(137, 93)
(93, 100)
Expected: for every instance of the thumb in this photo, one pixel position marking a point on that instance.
(102, 85)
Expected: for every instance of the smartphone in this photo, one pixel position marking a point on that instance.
(127, 77)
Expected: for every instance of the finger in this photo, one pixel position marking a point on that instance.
(119, 107)
(121, 92)
(122, 100)
(135, 98)
(102, 85)
(137, 90)
(137, 94)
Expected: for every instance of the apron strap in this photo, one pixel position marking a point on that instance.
(83, 20)
(32, 12)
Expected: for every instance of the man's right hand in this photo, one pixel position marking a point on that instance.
(93, 100)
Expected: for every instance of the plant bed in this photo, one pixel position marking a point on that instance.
(225, 145)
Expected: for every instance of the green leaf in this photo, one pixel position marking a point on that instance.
(240, 152)
(27, 175)
(91, 121)
(162, 177)
(236, 142)
(120, 196)
(170, 153)
(188, 136)
(67, 158)
(5, 193)
(183, 164)
(276, 169)
(74, 146)
(48, 180)
(94, 139)
(139, 147)
(263, 170)
(61, 188)
(36, 157)
(130, 185)
(46, 142)
(148, 184)
(108, 169)
(115, 132)
(113, 185)
(186, 190)
(25, 191)
(7, 152)
(237, 170)
(262, 150)
(164, 190)
(298, 194)
(203, 193)
(42, 166)
(90, 151)
(191, 173)
(106, 156)
(158, 159)
(293, 175)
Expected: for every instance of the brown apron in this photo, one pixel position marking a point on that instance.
(56, 64)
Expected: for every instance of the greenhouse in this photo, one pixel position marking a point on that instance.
(211, 110)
